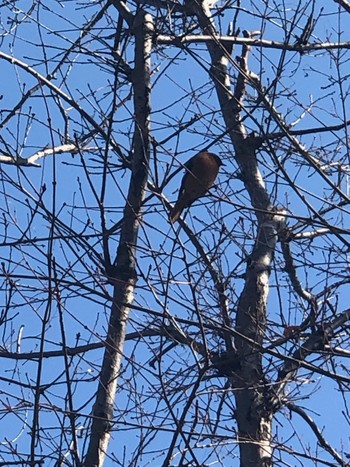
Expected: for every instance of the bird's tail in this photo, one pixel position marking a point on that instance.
(176, 212)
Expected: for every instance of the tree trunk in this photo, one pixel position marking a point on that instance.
(124, 269)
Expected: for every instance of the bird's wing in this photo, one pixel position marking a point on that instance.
(189, 163)
(183, 184)
(188, 168)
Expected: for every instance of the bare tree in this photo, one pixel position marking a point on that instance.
(221, 339)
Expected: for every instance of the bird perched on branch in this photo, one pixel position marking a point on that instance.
(201, 172)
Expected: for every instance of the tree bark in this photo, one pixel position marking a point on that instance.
(254, 417)
(124, 269)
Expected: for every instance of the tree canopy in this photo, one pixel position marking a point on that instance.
(219, 339)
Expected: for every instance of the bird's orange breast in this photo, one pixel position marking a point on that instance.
(201, 175)
(201, 171)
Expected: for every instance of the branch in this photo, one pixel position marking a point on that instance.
(31, 161)
(18, 160)
(231, 40)
(345, 4)
(314, 163)
(292, 273)
(56, 90)
(254, 425)
(326, 446)
(316, 342)
(124, 11)
(123, 272)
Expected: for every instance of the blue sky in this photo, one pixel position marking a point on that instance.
(308, 93)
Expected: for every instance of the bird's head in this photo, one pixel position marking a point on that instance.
(217, 159)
